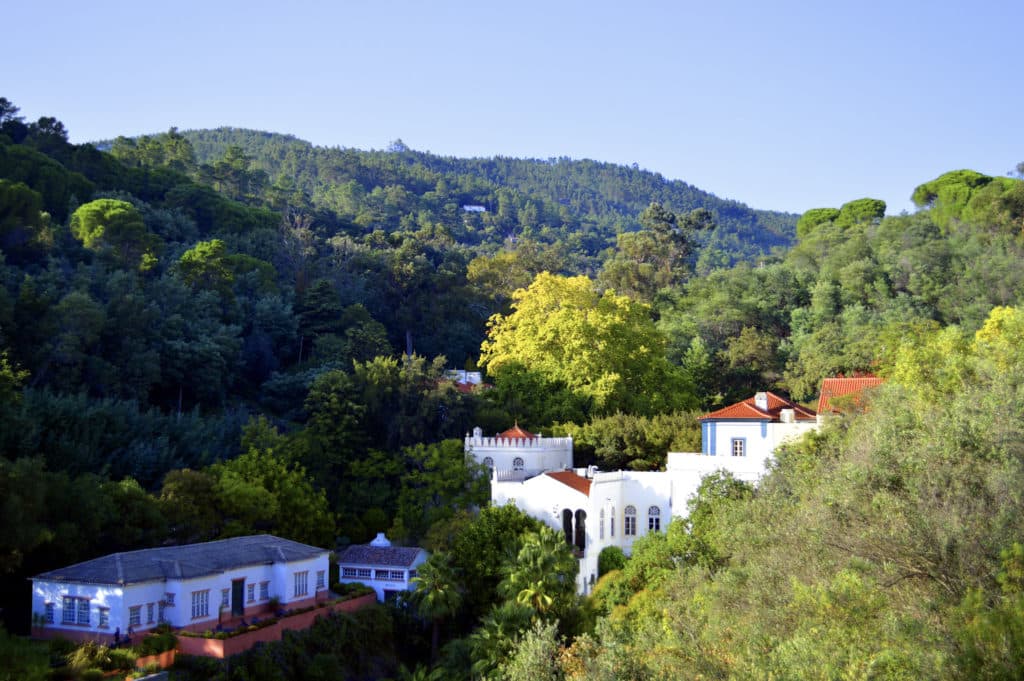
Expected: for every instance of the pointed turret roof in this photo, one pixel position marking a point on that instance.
(517, 433)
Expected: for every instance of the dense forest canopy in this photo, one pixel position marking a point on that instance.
(212, 333)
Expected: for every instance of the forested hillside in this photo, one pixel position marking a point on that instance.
(583, 204)
(216, 333)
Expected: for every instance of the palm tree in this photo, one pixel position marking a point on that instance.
(543, 575)
(438, 594)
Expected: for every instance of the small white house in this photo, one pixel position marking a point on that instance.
(194, 587)
(387, 569)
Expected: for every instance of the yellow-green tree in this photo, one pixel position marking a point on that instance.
(601, 346)
(116, 230)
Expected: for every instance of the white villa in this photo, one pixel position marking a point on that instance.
(387, 569)
(190, 587)
(597, 509)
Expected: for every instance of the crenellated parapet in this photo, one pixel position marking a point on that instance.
(519, 451)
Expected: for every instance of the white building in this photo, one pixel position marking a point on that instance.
(516, 454)
(599, 509)
(388, 569)
(193, 587)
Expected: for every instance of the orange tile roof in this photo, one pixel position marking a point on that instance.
(577, 482)
(840, 386)
(517, 433)
(748, 410)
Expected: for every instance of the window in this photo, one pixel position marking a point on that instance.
(611, 523)
(517, 464)
(381, 575)
(69, 607)
(348, 572)
(412, 574)
(200, 604)
(654, 519)
(301, 583)
(104, 617)
(600, 525)
(264, 591)
(149, 613)
(489, 462)
(365, 573)
(49, 613)
(738, 446)
(629, 529)
(397, 576)
(320, 579)
(169, 600)
(225, 598)
(83, 611)
(250, 592)
(135, 615)
(160, 611)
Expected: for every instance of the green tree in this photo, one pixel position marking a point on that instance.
(602, 346)
(437, 595)
(116, 230)
(437, 482)
(543, 575)
(203, 266)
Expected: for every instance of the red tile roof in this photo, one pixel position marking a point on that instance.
(748, 410)
(577, 482)
(839, 387)
(517, 433)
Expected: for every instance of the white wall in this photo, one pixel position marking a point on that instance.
(540, 454)
(121, 598)
(381, 585)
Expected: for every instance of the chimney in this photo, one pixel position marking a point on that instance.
(761, 401)
(381, 540)
(787, 416)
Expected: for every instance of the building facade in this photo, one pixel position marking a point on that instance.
(193, 587)
(387, 569)
(596, 509)
(518, 454)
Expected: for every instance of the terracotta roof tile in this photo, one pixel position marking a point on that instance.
(840, 386)
(569, 478)
(748, 410)
(517, 433)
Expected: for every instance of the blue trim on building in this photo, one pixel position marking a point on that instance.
(705, 437)
(714, 432)
(764, 429)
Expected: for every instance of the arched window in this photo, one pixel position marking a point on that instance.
(489, 462)
(581, 530)
(600, 525)
(517, 464)
(567, 525)
(654, 519)
(630, 522)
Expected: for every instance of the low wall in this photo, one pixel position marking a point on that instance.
(226, 647)
(164, 659)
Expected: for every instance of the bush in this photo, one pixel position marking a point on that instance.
(352, 590)
(120, 658)
(91, 675)
(610, 558)
(159, 641)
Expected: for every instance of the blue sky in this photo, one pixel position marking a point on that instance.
(782, 105)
